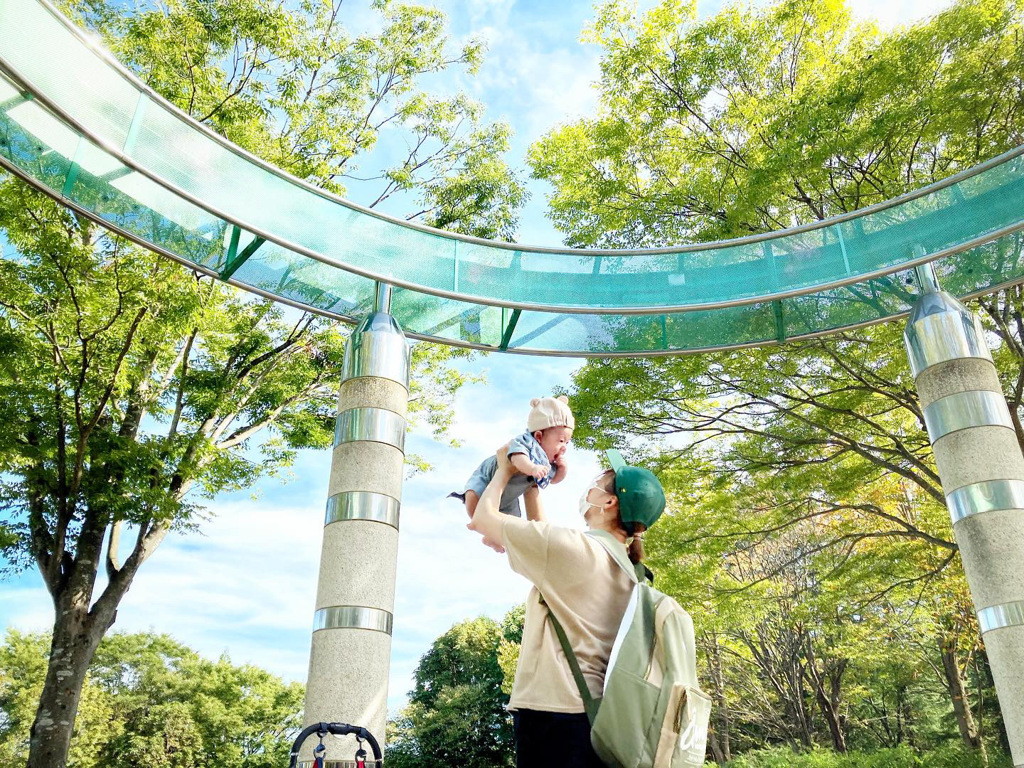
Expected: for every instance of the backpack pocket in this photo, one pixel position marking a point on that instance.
(626, 715)
(684, 729)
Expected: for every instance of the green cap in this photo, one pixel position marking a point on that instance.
(641, 497)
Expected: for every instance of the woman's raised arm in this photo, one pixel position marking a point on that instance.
(487, 520)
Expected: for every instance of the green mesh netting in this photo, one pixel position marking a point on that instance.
(77, 126)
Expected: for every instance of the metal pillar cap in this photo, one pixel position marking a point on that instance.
(378, 322)
(934, 303)
(377, 347)
(940, 329)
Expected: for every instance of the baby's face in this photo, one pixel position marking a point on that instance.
(554, 441)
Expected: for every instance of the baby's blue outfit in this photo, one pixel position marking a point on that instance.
(518, 484)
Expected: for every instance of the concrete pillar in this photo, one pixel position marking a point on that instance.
(351, 648)
(982, 471)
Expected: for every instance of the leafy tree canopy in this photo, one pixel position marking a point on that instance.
(135, 389)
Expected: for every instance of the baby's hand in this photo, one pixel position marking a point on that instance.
(539, 472)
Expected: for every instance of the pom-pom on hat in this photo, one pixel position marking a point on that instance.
(550, 412)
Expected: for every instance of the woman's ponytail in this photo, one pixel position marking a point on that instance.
(636, 546)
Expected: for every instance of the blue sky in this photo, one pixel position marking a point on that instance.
(246, 585)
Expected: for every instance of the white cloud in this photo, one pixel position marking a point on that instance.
(537, 86)
(483, 12)
(27, 607)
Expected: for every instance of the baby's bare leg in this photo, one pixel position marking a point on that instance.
(471, 501)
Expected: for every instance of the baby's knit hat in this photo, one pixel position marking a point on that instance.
(550, 412)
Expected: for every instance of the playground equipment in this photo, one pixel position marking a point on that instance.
(79, 127)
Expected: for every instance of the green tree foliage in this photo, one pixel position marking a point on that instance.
(149, 700)
(289, 83)
(456, 712)
(134, 389)
(811, 539)
(758, 119)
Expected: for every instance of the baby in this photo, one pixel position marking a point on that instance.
(538, 456)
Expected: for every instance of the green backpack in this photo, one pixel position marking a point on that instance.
(653, 713)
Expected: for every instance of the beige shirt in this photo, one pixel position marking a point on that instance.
(588, 593)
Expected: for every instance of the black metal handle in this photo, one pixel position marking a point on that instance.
(338, 729)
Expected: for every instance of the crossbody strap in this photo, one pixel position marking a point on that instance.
(590, 704)
(638, 572)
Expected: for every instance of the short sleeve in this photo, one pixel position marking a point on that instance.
(546, 553)
(526, 544)
(518, 444)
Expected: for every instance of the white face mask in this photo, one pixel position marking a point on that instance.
(585, 505)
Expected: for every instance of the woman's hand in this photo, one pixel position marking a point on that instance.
(487, 520)
(496, 547)
(504, 465)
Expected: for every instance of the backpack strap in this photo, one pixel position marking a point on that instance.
(590, 704)
(637, 572)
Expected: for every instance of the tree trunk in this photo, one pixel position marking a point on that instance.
(76, 635)
(828, 692)
(721, 748)
(906, 719)
(777, 651)
(830, 712)
(716, 748)
(958, 694)
(798, 710)
(78, 627)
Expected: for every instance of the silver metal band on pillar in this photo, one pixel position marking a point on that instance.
(362, 505)
(981, 467)
(1001, 616)
(375, 424)
(352, 625)
(353, 617)
(986, 496)
(963, 410)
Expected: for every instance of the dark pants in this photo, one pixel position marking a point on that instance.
(553, 740)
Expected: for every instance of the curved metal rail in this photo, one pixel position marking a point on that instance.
(80, 127)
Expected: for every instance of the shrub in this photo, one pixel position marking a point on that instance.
(952, 756)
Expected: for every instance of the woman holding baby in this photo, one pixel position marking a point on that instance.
(582, 586)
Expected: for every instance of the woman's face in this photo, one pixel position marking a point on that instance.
(599, 499)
